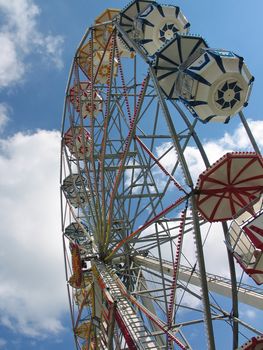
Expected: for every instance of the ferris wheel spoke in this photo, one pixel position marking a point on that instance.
(105, 136)
(124, 87)
(147, 224)
(159, 164)
(124, 155)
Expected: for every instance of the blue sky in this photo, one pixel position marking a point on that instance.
(37, 41)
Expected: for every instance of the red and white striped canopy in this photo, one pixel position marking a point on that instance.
(229, 185)
(81, 97)
(256, 343)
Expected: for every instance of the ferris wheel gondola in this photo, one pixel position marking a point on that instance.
(229, 185)
(157, 25)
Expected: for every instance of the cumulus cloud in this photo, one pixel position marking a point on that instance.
(4, 116)
(214, 150)
(32, 279)
(214, 248)
(19, 36)
(250, 314)
(2, 343)
(240, 140)
(11, 66)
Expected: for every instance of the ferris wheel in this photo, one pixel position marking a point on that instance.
(139, 226)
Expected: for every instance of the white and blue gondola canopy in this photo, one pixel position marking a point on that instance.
(74, 189)
(215, 85)
(157, 25)
(76, 234)
(169, 59)
(128, 15)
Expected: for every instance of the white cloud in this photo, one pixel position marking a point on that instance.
(250, 314)
(2, 343)
(32, 278)
(214, 150)
(167, 155)
(11, 66)
(19, 37)
(240, 140)
(20, 18)
(52, 45)
(4, 116)
(215, 253)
